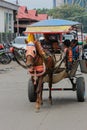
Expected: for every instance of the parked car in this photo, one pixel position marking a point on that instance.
(19, 42)
(68, 36)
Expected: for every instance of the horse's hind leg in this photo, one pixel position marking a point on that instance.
(50, 86)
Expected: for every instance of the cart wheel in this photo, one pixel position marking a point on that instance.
(80, 83)
(31, 91)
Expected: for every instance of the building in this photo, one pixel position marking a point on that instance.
(82, 3)
(14, 18)
(7, 16)
(57, 3)
(26, 17)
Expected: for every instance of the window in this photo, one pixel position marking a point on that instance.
(8, 22)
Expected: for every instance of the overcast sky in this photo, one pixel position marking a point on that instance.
(31, 4)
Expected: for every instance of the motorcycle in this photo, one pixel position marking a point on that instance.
(5, 54)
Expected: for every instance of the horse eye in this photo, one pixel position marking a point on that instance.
(34, 51)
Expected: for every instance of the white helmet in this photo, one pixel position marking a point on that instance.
(41, 38)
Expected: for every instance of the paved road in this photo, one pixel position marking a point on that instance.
(17, 113)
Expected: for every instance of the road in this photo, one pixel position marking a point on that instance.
(17, 113)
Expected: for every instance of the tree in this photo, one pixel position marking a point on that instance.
(42, 11)
(70, 12)
(67, 11)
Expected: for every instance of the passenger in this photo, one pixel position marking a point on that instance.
(56, 46)
(86, 39)
(46, 44)
(75, 49)
(84, 52)
(68, 54)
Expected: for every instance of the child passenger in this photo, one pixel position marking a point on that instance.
(75, 49)
(68, 54)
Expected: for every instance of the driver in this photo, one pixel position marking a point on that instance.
(49, 43)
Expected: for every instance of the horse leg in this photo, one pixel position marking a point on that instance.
(37, 106)
(39, 93)
(50, 86)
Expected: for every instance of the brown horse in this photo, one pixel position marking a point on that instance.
(38, 68)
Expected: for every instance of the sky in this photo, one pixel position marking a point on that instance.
(31, 4)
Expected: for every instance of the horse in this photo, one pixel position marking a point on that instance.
(43, 69)
(39, 68)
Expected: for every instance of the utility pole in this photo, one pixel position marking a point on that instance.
(17, 19)
(17, 27)
(17, 2)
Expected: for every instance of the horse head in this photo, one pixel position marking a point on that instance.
(30, 54)
(34, 61)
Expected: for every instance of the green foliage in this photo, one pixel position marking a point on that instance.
(67, 11)
(42, 11)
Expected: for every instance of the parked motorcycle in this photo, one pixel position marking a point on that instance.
(5, 54)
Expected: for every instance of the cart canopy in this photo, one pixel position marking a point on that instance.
(52, 26)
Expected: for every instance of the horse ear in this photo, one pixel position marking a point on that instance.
(26, 41)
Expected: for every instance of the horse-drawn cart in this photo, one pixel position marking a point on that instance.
(58, 28)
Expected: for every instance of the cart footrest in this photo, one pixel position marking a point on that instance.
(59, 89)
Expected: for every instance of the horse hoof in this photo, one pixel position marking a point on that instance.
(50, 101)
(37, 106)
(37, 110)
(41, 102)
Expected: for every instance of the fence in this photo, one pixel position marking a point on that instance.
(4, 37)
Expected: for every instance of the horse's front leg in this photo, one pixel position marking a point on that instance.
(41, 95)
(39, 92)
(50, 86)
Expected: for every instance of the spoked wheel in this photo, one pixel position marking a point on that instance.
(80, 83)
(31, 91)
(19, 55)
